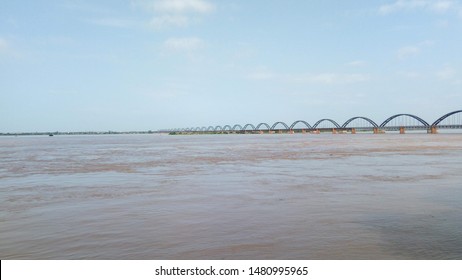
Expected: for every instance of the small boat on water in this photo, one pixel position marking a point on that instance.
(51, 134)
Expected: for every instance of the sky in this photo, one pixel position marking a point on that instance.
(124, 65)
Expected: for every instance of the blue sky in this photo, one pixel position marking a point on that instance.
(74, 65)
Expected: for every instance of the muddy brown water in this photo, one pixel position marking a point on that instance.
(231, 197)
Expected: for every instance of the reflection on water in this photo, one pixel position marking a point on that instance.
(231, 197)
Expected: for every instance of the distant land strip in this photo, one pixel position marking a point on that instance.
(77, 133)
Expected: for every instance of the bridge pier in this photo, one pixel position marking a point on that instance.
(353, 131)
(334, 131)
(303, 131)
(402, 130)
(376, 130)
(432, 130)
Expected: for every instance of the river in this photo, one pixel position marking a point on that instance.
(298, 196)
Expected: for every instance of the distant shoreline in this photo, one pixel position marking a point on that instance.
(77, 133)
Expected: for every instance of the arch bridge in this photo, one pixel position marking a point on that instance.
(398, 122)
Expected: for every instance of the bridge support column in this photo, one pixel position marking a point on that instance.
(291, 131)
(334, 131)
(402, 130)
(303, 131)
(376, 130)
(353, 131)
(432, 130)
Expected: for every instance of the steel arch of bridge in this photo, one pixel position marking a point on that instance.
(249, 125)
(442, 118)
(408, 115)
(276, 123)
(262, 124)
(326, 120)
(300, 121)
(227, 127)
(362, 118)
(237, 126)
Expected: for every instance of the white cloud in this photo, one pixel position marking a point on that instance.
(402, 5)
(323, 78)
(413, 50)
(3, 45)
(426, 43)
(319, 78)
(336, 78)
(114, 22)
(447, 73)
(184, 44)
(160, 22)
(182, 6)
(439, 6)
(175, 13)
(442, 6)
(356, 63)
(8, 49)
(262, 76)
(409, 74)
(442, 23)
(408, 51)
